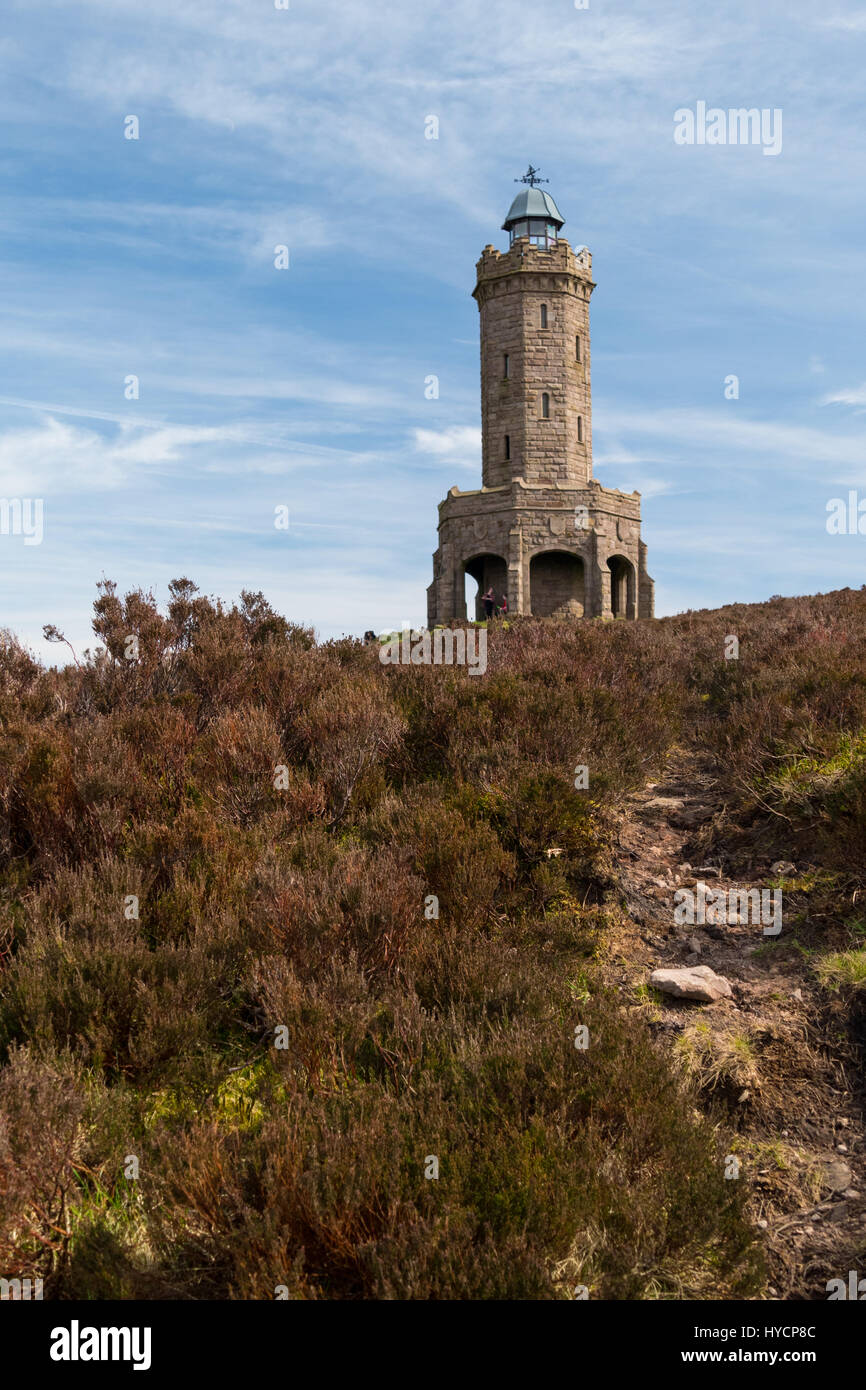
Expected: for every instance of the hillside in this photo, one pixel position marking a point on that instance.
(235, 1034)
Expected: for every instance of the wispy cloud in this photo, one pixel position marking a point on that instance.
(458, 444)
(56, 457)
(776, 443)
(853, 23)
(853, 396)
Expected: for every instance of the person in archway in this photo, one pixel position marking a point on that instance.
(503, 607)
(489, 602)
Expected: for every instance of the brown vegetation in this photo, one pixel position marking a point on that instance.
(296, 912)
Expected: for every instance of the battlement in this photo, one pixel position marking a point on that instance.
(524, 256)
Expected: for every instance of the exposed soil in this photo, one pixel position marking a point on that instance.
(777, 1061)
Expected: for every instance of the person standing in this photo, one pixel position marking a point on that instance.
(489, 602)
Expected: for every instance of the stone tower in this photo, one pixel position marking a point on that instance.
(540, 529)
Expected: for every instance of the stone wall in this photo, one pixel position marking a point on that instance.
(555, 579)
(512, 288)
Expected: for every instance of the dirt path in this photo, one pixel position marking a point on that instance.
(773, 1057)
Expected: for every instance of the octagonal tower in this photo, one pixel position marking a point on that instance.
(540, 530)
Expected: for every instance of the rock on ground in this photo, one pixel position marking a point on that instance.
(692, 982)
(836, 1174)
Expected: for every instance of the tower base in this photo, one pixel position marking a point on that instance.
(551, 549)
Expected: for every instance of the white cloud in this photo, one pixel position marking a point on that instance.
(852, 23)
(330, 390)
(178, 229)
(719, 431)
(459, 444)
(854, 396)
(57, 457)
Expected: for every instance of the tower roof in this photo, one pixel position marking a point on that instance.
(533, 202)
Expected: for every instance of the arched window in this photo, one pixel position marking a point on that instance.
(545, 406)
(580, 429)
(508, 446)
(505, 364)
(577, 348)
(544, 315)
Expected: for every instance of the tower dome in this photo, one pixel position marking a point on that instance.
(533, 214)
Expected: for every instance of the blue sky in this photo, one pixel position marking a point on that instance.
(305, 387)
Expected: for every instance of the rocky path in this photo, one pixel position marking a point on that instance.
(772, 1056)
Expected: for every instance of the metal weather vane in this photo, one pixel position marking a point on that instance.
(531, 177)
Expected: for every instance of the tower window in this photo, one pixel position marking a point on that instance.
(580, 429)
(576, 348)
(508, 446)
(544, 315)
(505, 365)
(545, 406)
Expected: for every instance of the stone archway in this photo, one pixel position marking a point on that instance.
(489, 572)
(622, 588)
(556, 578)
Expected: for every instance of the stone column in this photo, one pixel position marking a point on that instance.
(605, 610)
(646, 587)
(515, 569)
(600, 574)
(456, 585)
(445, 584)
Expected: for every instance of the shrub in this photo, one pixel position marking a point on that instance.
(285, 1034)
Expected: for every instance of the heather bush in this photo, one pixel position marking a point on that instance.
(534, 1140)
(785, 723)
(238, 976)
(41, 1105)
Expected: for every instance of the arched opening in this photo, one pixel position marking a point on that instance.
(488, 572)
(580, 429)
(556, 578)
(545, 406)
(508, 446)
(621, 587)
(544, 315)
